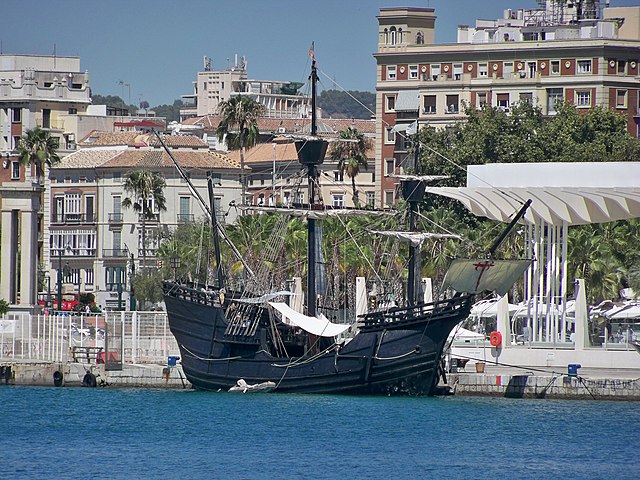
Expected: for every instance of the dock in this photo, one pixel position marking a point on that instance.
(547, 382)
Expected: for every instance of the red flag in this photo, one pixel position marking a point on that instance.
(311, 52)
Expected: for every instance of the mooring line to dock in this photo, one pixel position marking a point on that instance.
(532, 369)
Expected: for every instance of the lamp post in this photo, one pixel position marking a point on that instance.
(175, 264)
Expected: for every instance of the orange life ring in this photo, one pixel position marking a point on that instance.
(495, 339)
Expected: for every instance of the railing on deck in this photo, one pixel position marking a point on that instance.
(143, 337)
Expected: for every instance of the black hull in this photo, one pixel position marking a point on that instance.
(394, 353)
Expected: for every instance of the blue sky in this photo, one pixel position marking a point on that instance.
(157, 46)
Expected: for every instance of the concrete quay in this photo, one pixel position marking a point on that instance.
(131, 375)
(548, 382)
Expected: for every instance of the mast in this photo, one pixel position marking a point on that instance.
(214, 232)
(311, 152)
(413, 192)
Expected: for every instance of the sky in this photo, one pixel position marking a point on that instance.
(156, 47)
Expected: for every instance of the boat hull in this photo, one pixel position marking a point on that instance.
(399, 358)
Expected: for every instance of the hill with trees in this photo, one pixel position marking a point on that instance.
(350, 104)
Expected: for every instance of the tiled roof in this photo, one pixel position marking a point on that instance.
(160, 159)
(87, 158)
(137, 139)
(285, 151)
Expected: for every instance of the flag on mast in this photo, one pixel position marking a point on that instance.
(311, 52)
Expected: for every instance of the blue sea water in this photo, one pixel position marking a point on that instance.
(79, 433)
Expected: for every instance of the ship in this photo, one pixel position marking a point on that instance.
(256, 337)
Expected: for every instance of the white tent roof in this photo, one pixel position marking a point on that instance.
(489, 308)
(630, 310)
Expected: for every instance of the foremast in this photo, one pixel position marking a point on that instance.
(311, 152)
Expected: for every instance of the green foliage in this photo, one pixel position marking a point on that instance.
(351, 156)
(240, 117)
(147, 285)
(39, 148)
(4, 306)
(351, 104)
(170, 112)
(112, 101)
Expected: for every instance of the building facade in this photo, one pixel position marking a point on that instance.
(94, 240)
(211, 87)
(577, 52)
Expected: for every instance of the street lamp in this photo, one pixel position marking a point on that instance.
(175, 264)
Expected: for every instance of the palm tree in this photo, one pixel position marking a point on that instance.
(351, 156)
(242, 113)
(38, 147)
(144, 188)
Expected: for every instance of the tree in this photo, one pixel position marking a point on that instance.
(350, 104)
(4, 306)
(146, 190)
(148, 287)
(39, 148)
(351, 156)
(240, 116)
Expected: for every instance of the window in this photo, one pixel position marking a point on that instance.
(337, 200)
(391, 136)
(73, 111)
(117, 177)
(117, 241)
(392, 35)
(71, 275)
(46, 118)
(16, 115)
(338, 176)
(72, 207)
(371, 199)
(185, 209)
(88, 276)
(391, 72)
(89, 208)
(429, 104)
(390, 166)
(15, 170)
(584, 66)
(622, 67)
(555, 67)
(503, 102)
(419, 38)
(114, 276)
(507, 70)
(16, 141)
(621, 99)
(81, 242)
(389, 198)
(413, 72)
(457, 71)
(526, 97)
(435, 71)
(391, 103)
(583, 98)
(554, 95)
(483, 70)
(532, 66)
(453, 104)
(481, 99)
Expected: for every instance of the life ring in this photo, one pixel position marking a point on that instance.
(89, 380)
(495, 339)
(58, 378)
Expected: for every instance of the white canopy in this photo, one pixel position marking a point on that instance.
(628, 311)
(316, 326)
(489, 308)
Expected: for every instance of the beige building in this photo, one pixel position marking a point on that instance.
(577, 52)
(280, 99)
(94, 237)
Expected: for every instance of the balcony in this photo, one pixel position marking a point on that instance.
(185, 218)
(115, 218)
(150, 218)
(73, 252)
(115, 253)
(73, 218)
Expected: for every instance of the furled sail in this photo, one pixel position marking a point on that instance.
(478, 275)
(316, 214)
(415, 238)
(316, 326)
(264, 298)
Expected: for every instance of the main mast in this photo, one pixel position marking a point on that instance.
(311, 152)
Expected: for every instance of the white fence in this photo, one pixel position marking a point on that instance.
(140, 337)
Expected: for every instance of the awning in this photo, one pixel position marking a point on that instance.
(407, 101)
(316, 326)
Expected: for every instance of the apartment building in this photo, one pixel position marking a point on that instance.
(580, 52)
(93, 238)
(280, 99)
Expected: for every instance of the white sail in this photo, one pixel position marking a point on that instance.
(423, 178)
(316, 326)
(415, 238)
(264, 298)
(479, 275)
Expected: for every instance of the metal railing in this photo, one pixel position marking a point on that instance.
(115, 218)
(115, 253)
(144, 337)
(67, 218)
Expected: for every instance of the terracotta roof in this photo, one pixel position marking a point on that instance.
(87, 158)
(137, 139)
(159, 159)
(285, 152)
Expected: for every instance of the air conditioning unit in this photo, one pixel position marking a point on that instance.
(282, 130)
